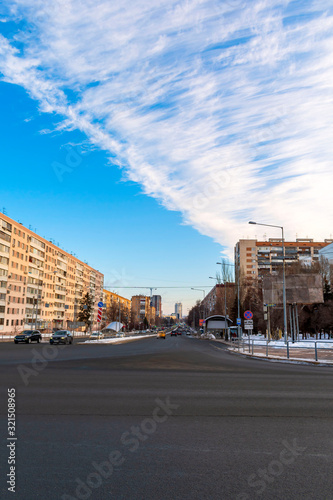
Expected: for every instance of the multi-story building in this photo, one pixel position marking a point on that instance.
(179, 310)
(117, 308)
(256, 258)
(141, 309)
(219, 299)
(40, 284)
(156, 301)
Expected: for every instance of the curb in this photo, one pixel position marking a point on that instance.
(282, 360)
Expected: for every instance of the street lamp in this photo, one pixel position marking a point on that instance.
(204, 292)
(40, 283)
(283, 277)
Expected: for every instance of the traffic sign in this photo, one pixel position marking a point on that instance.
(100, 304)
(248, 324)
(239, 321)
(248, 315)
(99, 315)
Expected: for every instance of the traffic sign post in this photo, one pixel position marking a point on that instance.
(99, 315)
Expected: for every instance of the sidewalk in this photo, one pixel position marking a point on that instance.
(296, 354)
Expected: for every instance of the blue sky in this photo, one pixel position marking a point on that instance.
(143, 136)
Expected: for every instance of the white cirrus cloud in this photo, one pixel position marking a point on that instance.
(220, 110)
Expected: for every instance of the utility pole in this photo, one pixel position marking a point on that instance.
(283, 277)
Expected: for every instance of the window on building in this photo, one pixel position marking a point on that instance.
(4, 249)
(6, 225)
(4, 236)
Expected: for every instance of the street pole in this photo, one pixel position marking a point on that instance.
(36, 317)
(239, 335)
(284, 289)
(283, 278)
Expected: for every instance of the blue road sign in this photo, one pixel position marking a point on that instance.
(100, 304)
(239, 321)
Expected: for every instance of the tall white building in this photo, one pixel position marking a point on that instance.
(179, 310)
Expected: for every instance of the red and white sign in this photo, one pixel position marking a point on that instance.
(99, 315)
(248, 315)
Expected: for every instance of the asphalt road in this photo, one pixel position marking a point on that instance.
(164, 419)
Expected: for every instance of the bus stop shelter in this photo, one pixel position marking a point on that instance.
(217, 324)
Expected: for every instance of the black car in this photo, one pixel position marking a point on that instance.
(28, 336)
(62, 337)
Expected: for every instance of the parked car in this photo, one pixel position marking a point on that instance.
(62, 337)
(96, 336)
(28, 336)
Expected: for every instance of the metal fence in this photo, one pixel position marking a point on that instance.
(310, 349)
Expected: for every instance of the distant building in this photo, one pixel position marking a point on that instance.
(215, 300)
(156, 301)
(117, 307)
(179, 310)
(141, 309)
(256, 258)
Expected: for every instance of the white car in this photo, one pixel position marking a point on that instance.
(96, 336)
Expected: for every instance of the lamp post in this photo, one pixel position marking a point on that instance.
(204, 292)
(40, 283)
(283, 277)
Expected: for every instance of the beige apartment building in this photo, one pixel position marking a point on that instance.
(256, 258)
(40, 284)
(116, 307)
(141, 308)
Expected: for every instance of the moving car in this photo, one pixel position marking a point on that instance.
(96, 336)
(161, 334)
(28, 336)
(173, 332)
(62, 337)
